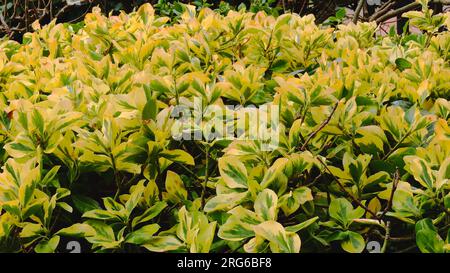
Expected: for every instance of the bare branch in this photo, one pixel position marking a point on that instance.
(391, 197)
(324, 123)
(346, 192)
(358, 11)
(383, 9)
(397, 12)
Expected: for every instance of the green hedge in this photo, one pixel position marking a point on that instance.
(90, 143)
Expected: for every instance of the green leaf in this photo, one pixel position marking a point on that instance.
(62, 192)
(112, 205)
(47, 246)
(233, 172)
(425, 224)
(77, 230)
(50, 175)
(443, 175)
(372, 138)
(342, 210)
(377, 179)
(447, 201)
(429, 241)
(302, 225)
(420, 170)
(135, 196)
(291, 201)
(256, 245)
(185, 225)
(275, 178)
(427, 237)
(266, 204)
(402, 64)
(101, 215)
(84, 203)
(104, 235)
(159, 87)
(404, 203)
(204, 238)
(32, 230)
(178, 156)
(12, 207)
(142, 235)
(176, 191)
(354, 242)
(340, 13)
(239, 225)
(150, 110)
(150, 213)
(27, 186)
(225, 201)
(279, 65)
(65, 206)
(163, 243)
(280, 240)
(38, 121)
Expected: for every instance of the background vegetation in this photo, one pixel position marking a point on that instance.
(16, 16)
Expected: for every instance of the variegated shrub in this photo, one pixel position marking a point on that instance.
(88, 150)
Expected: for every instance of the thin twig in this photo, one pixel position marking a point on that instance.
(408, 249)
(397, 12)
(358, 11)
(382, 10)
(393, 239)
(315, 132)
(386, 237)
(397, 145)
(391, 198)
(62, 10)
(305, 2)
(5, 25)
(346, 192)
(205, 183)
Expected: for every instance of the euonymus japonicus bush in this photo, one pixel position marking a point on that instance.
(91, 151)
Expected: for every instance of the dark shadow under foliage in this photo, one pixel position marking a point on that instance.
(17, 16)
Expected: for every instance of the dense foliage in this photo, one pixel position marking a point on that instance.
(88, 152)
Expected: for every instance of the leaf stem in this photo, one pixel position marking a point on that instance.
(391, 198)
(315, 132)
(205, 183)
(396, 145)
(358, 11)
(386, 237)
(345, 191)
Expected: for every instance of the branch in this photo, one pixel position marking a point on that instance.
(5, 25)
(348, 193)
(397, 12)
(205, 183)
(383, 9)
(397, 145)
(382, 15)
(387, 237)
(62, 10)
(315, 132)
(393, 239)
(305, 147)
(358, 11)
(394, 188)
(305, 2)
